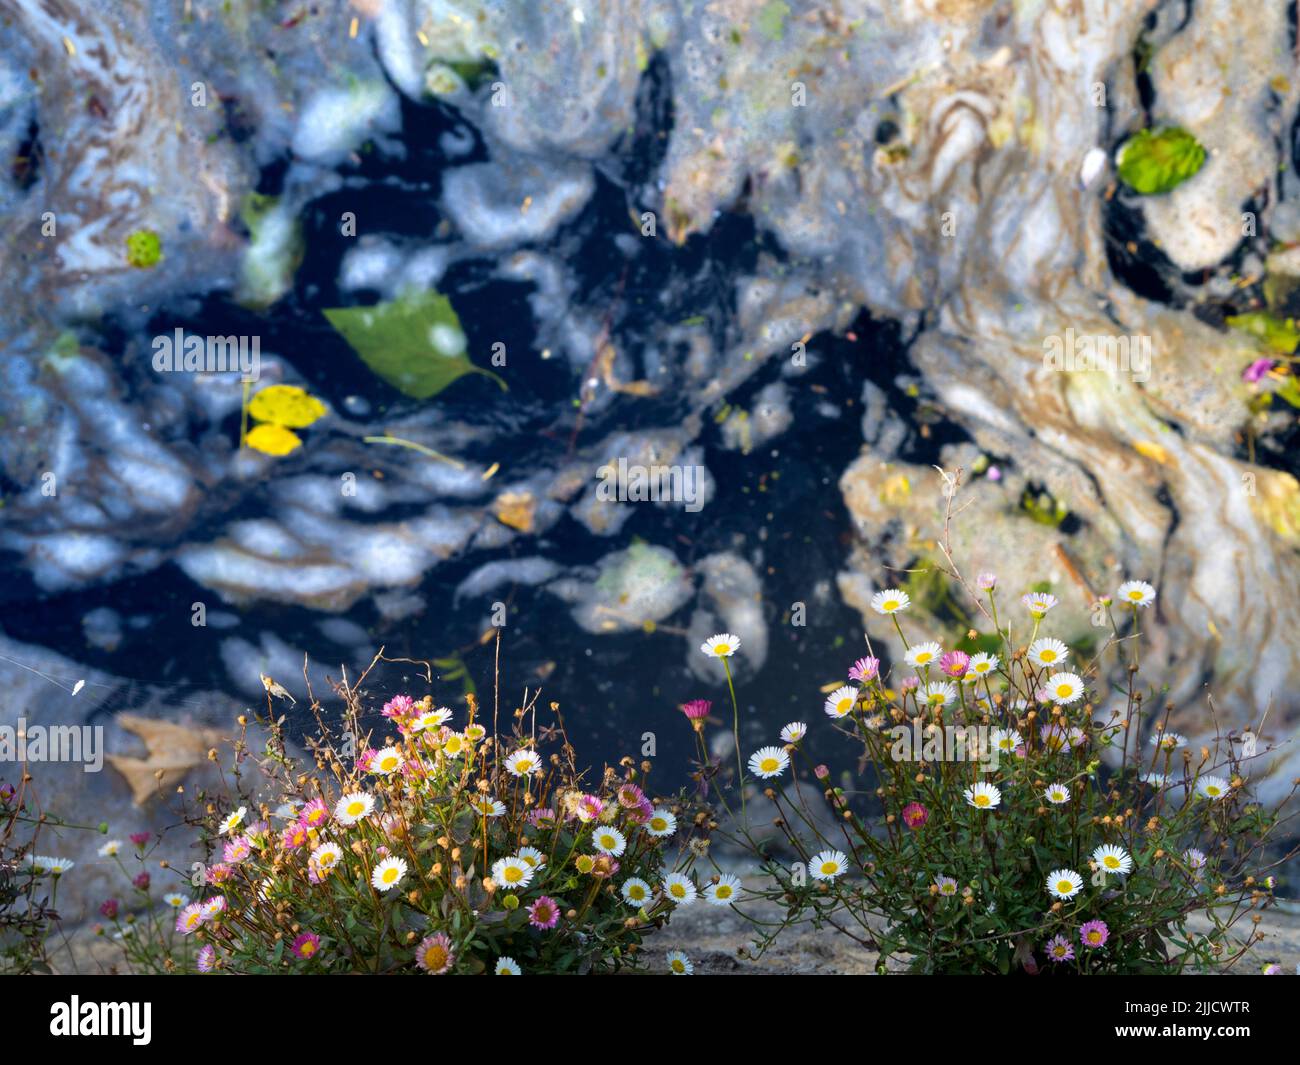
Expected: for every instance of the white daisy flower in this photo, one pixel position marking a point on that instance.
(724, 645)
(176, 900)
(981, 664)
(635, 891)
(455, 744)
(1064, 688)
(1006, 740)
(353, 807)
(767, 762)
(1212, 787)
(946, 886)
(609, 840)
(233, 821)
(512, 872)
(1195, 859)
(1136, 593)
(387, 760)
(1160, 780)
(507, 967)
(1064, 883)
(941, 693)
(679, 964)
(1048, 652)
(983, 796)
(723, 893)
(523, 763)
(431, 720)
(1113, 859)
(1168, 741)
(794, 732)
(1038, 604)
(327, 855)
(661, 822)
(487, 806)
(680, 889)
(827, 865)
(532, 856)
(110, 848)
(1057, 794)
(920, 655)
(388, 874)
(840, 702)
(890, 601)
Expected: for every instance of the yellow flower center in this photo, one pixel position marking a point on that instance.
(677, 891)
(435, 957)
(1064, 887)
(659, 824)
(844, 706)
(1110, 862)
(1094, 937)
(981, 800)
(1212, 789)
(1063, 689)
(890, 604)
(678, 967)
(307, 949)
(923, 658)
(723, 892)
(722, 649)
(636, 893)
(389, 876)
(513, 874)
(1135, 594)
(769, 765)
(1047, 656)
(355, 808)
(829, 868)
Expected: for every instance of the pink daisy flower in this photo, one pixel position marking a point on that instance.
(1257, 370)
(314, 814)
(696, 709)
(236, 850)
(207, 959)
(630, 796)
(190, 918)
(398, 706)
(542, 816)
(306, 945)
(955, 663)
(544, 913)
(295, 836)
(1094, 934)
(589, 808)
(1059, 949)
(139, 838)
(434, 954)
(219, 873)
(864, 669)
(214, 906)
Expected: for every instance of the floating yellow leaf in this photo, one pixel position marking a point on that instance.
(1151, 450)
(286, 405)
(516, 509)
(272, 439)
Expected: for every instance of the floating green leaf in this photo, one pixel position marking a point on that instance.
(143, 249)
(1277, 334)
(1155, 161)
(771, 19)
(415, 342)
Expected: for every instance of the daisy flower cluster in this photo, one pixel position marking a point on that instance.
(1070, 829)
(439, 848)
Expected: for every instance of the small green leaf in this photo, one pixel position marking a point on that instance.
(771, 19)
(1155, 161)
(1276, 333)
(415, 342)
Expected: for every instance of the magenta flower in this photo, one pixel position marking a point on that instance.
(955, 663)
(139, 838)
(541, 817)
(306, 945)
(822, 772)
(142, 882)
(915, 815)
(642, 813)
(1059, 949)
(314, 814)
(295, 836)
(544, 913)
(630, 796)
(1256, 371)
(589, 808)
(696, 709)
(207, 959)
(987, 581)
(398, 706)
(190, 918)
(1094, 934)
(366, 758)
(219, 873)
(109, 908)
(864, 669)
